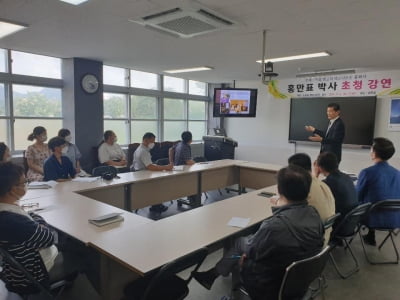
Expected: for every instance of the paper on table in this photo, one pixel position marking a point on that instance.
(52, 183)
(178, 168)
(239, 222)
(42, 184)
(85, 179)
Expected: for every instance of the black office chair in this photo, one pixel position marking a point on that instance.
(384, 206)
(100, 171)
(345, 232)
(300, 274)
(328, 223)
(165, 284)
(38, 290)
(162, 161)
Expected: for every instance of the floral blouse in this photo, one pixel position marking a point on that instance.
(38, 156)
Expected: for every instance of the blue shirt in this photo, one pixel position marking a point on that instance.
(183, 153)
(53, 170)
(376, 183)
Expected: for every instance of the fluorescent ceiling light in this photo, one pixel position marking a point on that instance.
(294, 57)
(74, 2)
(195, 69)
(7, 28)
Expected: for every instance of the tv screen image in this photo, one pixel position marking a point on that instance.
(357, 113)
(232, 102)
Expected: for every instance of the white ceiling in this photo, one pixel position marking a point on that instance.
(359, 34)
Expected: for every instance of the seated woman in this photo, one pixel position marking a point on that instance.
(58, 167)
(379, 182)
(31, 241)
(37, 153)
(110, 153)
(26, 236)
(5, 154)
(70, 150)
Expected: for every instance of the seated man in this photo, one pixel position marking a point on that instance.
(341, 185)
(181, 153)
(58, 167)
(142, 161)
(379, 182)
(320, 195)
(293, 232)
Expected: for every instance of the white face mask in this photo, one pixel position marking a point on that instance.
(68, 138)
(151, 146)
(64, 150)
(43, 138)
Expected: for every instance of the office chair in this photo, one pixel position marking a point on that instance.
(331, 220)
(384, 206)
(345, 232)
(300, 274)
(45, 291)
(165, 284)
(100, 171)
(296, 282)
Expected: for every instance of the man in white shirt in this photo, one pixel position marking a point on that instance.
(142, 161)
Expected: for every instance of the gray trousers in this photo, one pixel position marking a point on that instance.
(230, 261)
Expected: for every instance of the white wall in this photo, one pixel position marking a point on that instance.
(265, 138)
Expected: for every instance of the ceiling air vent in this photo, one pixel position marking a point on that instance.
(186, 21)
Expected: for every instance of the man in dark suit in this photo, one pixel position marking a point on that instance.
(341, 185)
(332, 139)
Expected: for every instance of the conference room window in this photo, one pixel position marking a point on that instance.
(144, 117)
(3, 60)
(197, 117)
(35, 106)
(35, 65)
(197, 88)
(144, 80)
(115, 76)
(116, 117)
(174, 118)
(3, 114)
(173, 84)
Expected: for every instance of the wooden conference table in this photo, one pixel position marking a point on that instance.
(138, 245)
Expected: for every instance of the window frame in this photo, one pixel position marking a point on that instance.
(160, 94)
(9, 79)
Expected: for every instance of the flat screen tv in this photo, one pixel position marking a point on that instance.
(358, 114)
(235, 102)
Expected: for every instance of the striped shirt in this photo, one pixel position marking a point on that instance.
(23, 238)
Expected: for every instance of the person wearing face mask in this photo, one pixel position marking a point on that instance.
(142, 161)
(58, 167)
(110, 153)
(37, 153)
(5, 154)
(70, 150)
(25, 235)
(30, 240)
